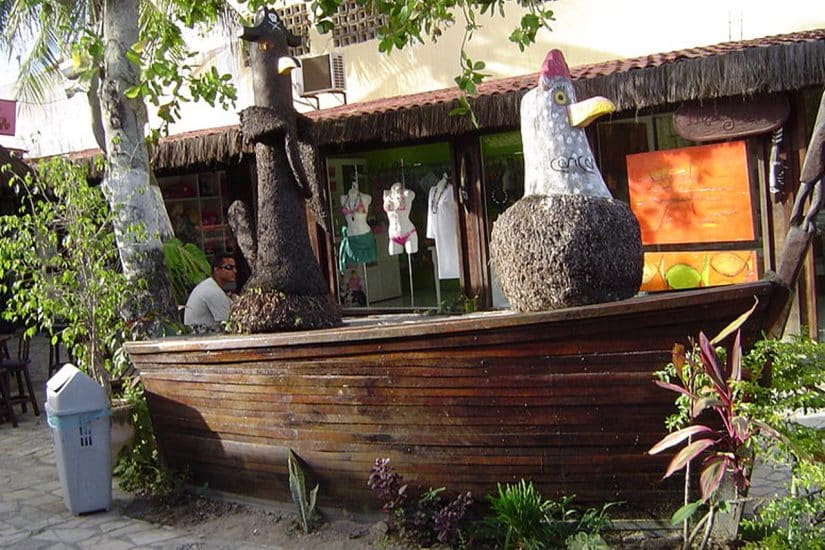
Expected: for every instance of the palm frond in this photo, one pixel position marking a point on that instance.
(42, 35)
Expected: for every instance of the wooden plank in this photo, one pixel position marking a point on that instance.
(710, 303)
(727, 118)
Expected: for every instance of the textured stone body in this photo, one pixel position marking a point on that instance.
(287, 290)
(560, 251)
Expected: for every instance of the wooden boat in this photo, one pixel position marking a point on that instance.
(564, 398)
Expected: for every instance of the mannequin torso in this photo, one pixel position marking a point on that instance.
(397, 204)
(354, 207)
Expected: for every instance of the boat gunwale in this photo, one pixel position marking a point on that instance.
(425, 326)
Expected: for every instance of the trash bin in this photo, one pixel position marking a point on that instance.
(80, 418)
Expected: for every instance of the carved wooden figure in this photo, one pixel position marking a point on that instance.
(287, 290)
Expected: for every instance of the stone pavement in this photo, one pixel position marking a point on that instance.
(32, 512)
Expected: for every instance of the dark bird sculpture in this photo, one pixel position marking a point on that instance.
(566, 242)
(287, 290)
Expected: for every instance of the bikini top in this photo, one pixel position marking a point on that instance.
(395, 203)
(359, 207)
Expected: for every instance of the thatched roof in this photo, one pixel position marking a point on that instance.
(764, 65)
(17, 166)
(742, 68)
(212, 146)
(196, 150)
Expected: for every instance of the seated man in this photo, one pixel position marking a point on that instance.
(208, 304)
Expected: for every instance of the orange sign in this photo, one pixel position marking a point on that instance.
(692, 195)
(681, 270)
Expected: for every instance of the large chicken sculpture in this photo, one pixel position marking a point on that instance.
(287, 290)
(567, 242)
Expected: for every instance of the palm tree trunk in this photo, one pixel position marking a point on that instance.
(128, 183)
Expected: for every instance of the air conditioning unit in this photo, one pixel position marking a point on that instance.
(320, 74)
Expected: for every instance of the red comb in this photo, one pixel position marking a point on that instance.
(554, 65)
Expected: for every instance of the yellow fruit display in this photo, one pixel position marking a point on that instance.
(680, 276)
(728, 264)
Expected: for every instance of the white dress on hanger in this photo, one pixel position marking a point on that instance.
(442, 225)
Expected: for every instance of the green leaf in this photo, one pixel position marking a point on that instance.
(132, 92)
(297, 488)
(133, 57)
(685, 512)
(325, 26)
(735, 324)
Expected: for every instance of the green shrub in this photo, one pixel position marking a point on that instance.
(787, 377)
(522, 518)
(140, 468)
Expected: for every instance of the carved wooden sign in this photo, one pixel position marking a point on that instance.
(731, 117)
(7, 117)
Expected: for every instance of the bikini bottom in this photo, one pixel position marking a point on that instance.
(358, 249)
(402, 239)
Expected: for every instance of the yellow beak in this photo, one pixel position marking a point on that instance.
(286, 64)
(584, 112)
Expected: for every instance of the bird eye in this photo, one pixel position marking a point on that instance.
(560, 97)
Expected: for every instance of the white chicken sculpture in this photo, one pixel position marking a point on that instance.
(567, 242)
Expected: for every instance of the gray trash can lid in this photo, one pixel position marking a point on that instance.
(70, 391)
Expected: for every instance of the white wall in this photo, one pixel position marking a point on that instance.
(588, 31)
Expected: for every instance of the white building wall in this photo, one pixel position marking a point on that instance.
(588, 31)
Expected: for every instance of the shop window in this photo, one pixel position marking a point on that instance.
(503, 168)
(396, 232)
(695, 203)
(197, 205)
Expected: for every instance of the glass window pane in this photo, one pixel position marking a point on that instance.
(503, 168)
(396, 227)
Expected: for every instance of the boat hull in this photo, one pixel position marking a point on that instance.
(562, 398)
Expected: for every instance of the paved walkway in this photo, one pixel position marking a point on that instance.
(32, 513)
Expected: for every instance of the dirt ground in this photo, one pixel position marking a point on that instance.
(226, 521)
(222, 519)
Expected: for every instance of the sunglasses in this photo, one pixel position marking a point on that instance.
(229, 267)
